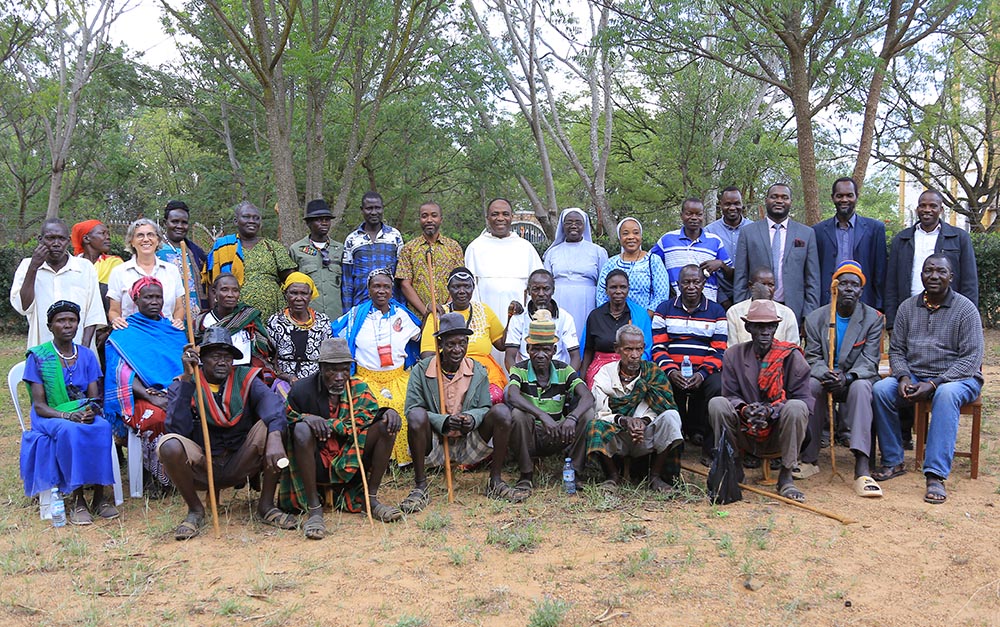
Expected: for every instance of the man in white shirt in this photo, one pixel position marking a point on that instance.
(761, 288)
(52, 274)
(500, 259)
(541, 287)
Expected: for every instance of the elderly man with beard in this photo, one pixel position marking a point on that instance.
(468, 417)
(856, 353)
(765, 402)
(323, 448)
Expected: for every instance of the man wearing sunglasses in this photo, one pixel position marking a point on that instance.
(319, 257)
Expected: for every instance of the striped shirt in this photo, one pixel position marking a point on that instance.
(678, 250)
(944, 344)
(701, 335)
(553, 399)
(362, 255)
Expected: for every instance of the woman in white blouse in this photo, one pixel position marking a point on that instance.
(142, 239)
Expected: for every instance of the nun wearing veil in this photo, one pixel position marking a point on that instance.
(575, 261)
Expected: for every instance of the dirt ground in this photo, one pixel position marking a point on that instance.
(630, 559)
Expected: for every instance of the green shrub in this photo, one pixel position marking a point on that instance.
(987, 249)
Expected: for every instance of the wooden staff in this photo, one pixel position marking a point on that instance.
(440, 374)
(197, 387)
(778, 497)
(361, 462)
(829, 396)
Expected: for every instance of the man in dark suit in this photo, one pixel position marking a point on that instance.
(792, 258)
(856, 352)
(848, 236)
(912, 246)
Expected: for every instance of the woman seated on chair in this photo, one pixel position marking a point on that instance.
(381, 333)
(142, 360)
(69, 443)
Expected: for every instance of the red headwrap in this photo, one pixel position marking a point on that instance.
(80, 229)
(145, 281)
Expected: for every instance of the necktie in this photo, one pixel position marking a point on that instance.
(776, 250)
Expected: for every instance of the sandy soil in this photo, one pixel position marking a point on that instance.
(632, 558)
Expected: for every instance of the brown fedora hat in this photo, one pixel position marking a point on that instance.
(335, 351)
(762, 311)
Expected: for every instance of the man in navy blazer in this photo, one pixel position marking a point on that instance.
(848, 236)
(912, 246)
(797, 275)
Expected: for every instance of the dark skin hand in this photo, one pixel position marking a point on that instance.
(63, 328)
(336, 378)
(636, 428)
(691, 283)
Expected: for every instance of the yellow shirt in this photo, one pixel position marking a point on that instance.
(486, 329)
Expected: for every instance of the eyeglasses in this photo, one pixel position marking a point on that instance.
(325, 256)
(146, 236)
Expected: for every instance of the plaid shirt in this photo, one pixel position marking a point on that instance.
(362, 255)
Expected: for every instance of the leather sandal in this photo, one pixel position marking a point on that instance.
(415, 501)
(884, 473)
(315, 527)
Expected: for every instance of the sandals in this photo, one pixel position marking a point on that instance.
(936, 494)
(866, 487)
(791, 492)
(884, 473)
(415, 501)
(609, 486)
(314, 527)
(107, 511)
(525, 487)
(805, 470)
(656, 484)
(190, 526)
(385, 513)
(500, 491)
(277, 518)
(80, 515)
(750, 461)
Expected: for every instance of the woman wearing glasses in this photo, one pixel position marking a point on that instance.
(142, 239)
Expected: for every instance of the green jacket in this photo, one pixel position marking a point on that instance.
(422, 391)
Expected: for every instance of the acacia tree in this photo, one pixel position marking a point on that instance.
(951, 141)
(71, 45)
(538, 41)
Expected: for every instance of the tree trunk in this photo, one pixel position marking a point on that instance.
(234, 163)
(290, 225)
(804, 135)
(315, 139)
(868, 125)
(55, 187)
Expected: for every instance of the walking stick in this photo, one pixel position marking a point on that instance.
(829, 396)
(361, 462)
(197, 387)
(778, 497)
(440, 374)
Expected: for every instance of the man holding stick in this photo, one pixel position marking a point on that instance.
(246, 422)
(856, 350)
(323, 445)
(469, 415)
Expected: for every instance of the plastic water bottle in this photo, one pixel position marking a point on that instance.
(58, 509)
(687, 370)
(569, 476)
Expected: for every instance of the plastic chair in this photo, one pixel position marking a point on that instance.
(14, 377)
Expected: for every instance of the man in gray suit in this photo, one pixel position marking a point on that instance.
(788, 248)
(856, 352)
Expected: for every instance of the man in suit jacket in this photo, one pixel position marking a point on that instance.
(856, 352)
(793, 260)
(850, 236)
(912, 246)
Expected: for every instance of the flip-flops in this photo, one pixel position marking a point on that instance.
(866, 487)
(936, 494)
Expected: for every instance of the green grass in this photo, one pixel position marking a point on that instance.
(549, 612)
(410, 621)
(630, 531)
(639, 563)
(434, 521)
(515, 538)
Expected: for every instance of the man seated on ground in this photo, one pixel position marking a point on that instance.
(551, 406)
(636, 414)
(541, 287)
(936, 356)
(691, 326)
(323, 448)
(761, 288)
(246, 422)
(469, 418)
(856, 353)
(765, 402)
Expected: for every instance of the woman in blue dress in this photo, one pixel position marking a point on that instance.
(575, 262)
(649, 284)
(69, 443)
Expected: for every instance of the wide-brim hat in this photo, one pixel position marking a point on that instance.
(318, 209)
(216, 337)
(452, 324)
(762, 311)
(335, 351)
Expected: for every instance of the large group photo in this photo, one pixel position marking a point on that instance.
(500, 313)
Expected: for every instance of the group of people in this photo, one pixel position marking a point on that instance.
(340, 359)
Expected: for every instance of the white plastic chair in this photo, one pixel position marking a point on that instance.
(14, 378)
